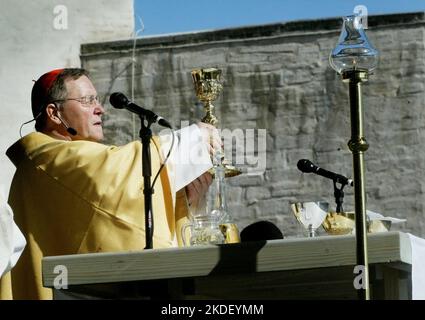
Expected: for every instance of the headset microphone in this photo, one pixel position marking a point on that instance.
(69, 129)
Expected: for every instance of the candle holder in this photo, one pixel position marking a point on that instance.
(354, 58)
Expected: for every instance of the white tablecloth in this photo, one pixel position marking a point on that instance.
(418, 267)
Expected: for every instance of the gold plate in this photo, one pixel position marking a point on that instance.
(344, 223)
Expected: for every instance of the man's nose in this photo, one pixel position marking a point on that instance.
(99, 109)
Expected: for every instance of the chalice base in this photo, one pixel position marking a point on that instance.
(230, 232)
(229, 171)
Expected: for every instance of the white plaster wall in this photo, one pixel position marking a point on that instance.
(31, 44)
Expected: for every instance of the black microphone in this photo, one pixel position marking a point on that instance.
(260, 231)
(119, 101)
(69, 129)
(307, 166)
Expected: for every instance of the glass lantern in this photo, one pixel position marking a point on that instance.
(353, 51)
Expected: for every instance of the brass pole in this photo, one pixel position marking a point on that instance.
(358, 146)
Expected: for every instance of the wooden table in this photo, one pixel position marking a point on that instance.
(299, 268)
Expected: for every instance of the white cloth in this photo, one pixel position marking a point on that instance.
(377, 216)
(12, 241)
(310, 213)
(189, 158)
(418, 267)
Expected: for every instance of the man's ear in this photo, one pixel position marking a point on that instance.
(52, 113)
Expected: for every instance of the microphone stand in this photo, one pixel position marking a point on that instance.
(145, 135)
(339, 196)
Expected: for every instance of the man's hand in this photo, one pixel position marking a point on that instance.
(198, 188)
(211, 137)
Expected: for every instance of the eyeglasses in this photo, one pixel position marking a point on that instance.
(86, 100)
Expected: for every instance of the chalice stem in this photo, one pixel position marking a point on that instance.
(209, 118)
(311, 231)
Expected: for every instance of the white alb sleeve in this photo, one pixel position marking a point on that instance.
(12, 241)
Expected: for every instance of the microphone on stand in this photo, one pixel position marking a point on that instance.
(307, 166)
(119, 101)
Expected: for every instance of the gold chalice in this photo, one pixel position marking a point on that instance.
(208, 86)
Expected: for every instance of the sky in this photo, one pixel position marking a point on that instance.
(175, 16)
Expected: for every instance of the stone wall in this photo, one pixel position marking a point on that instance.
(277, 77)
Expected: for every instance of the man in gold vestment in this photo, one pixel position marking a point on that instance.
(71, 194)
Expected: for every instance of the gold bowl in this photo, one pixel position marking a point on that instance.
(344, 223)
